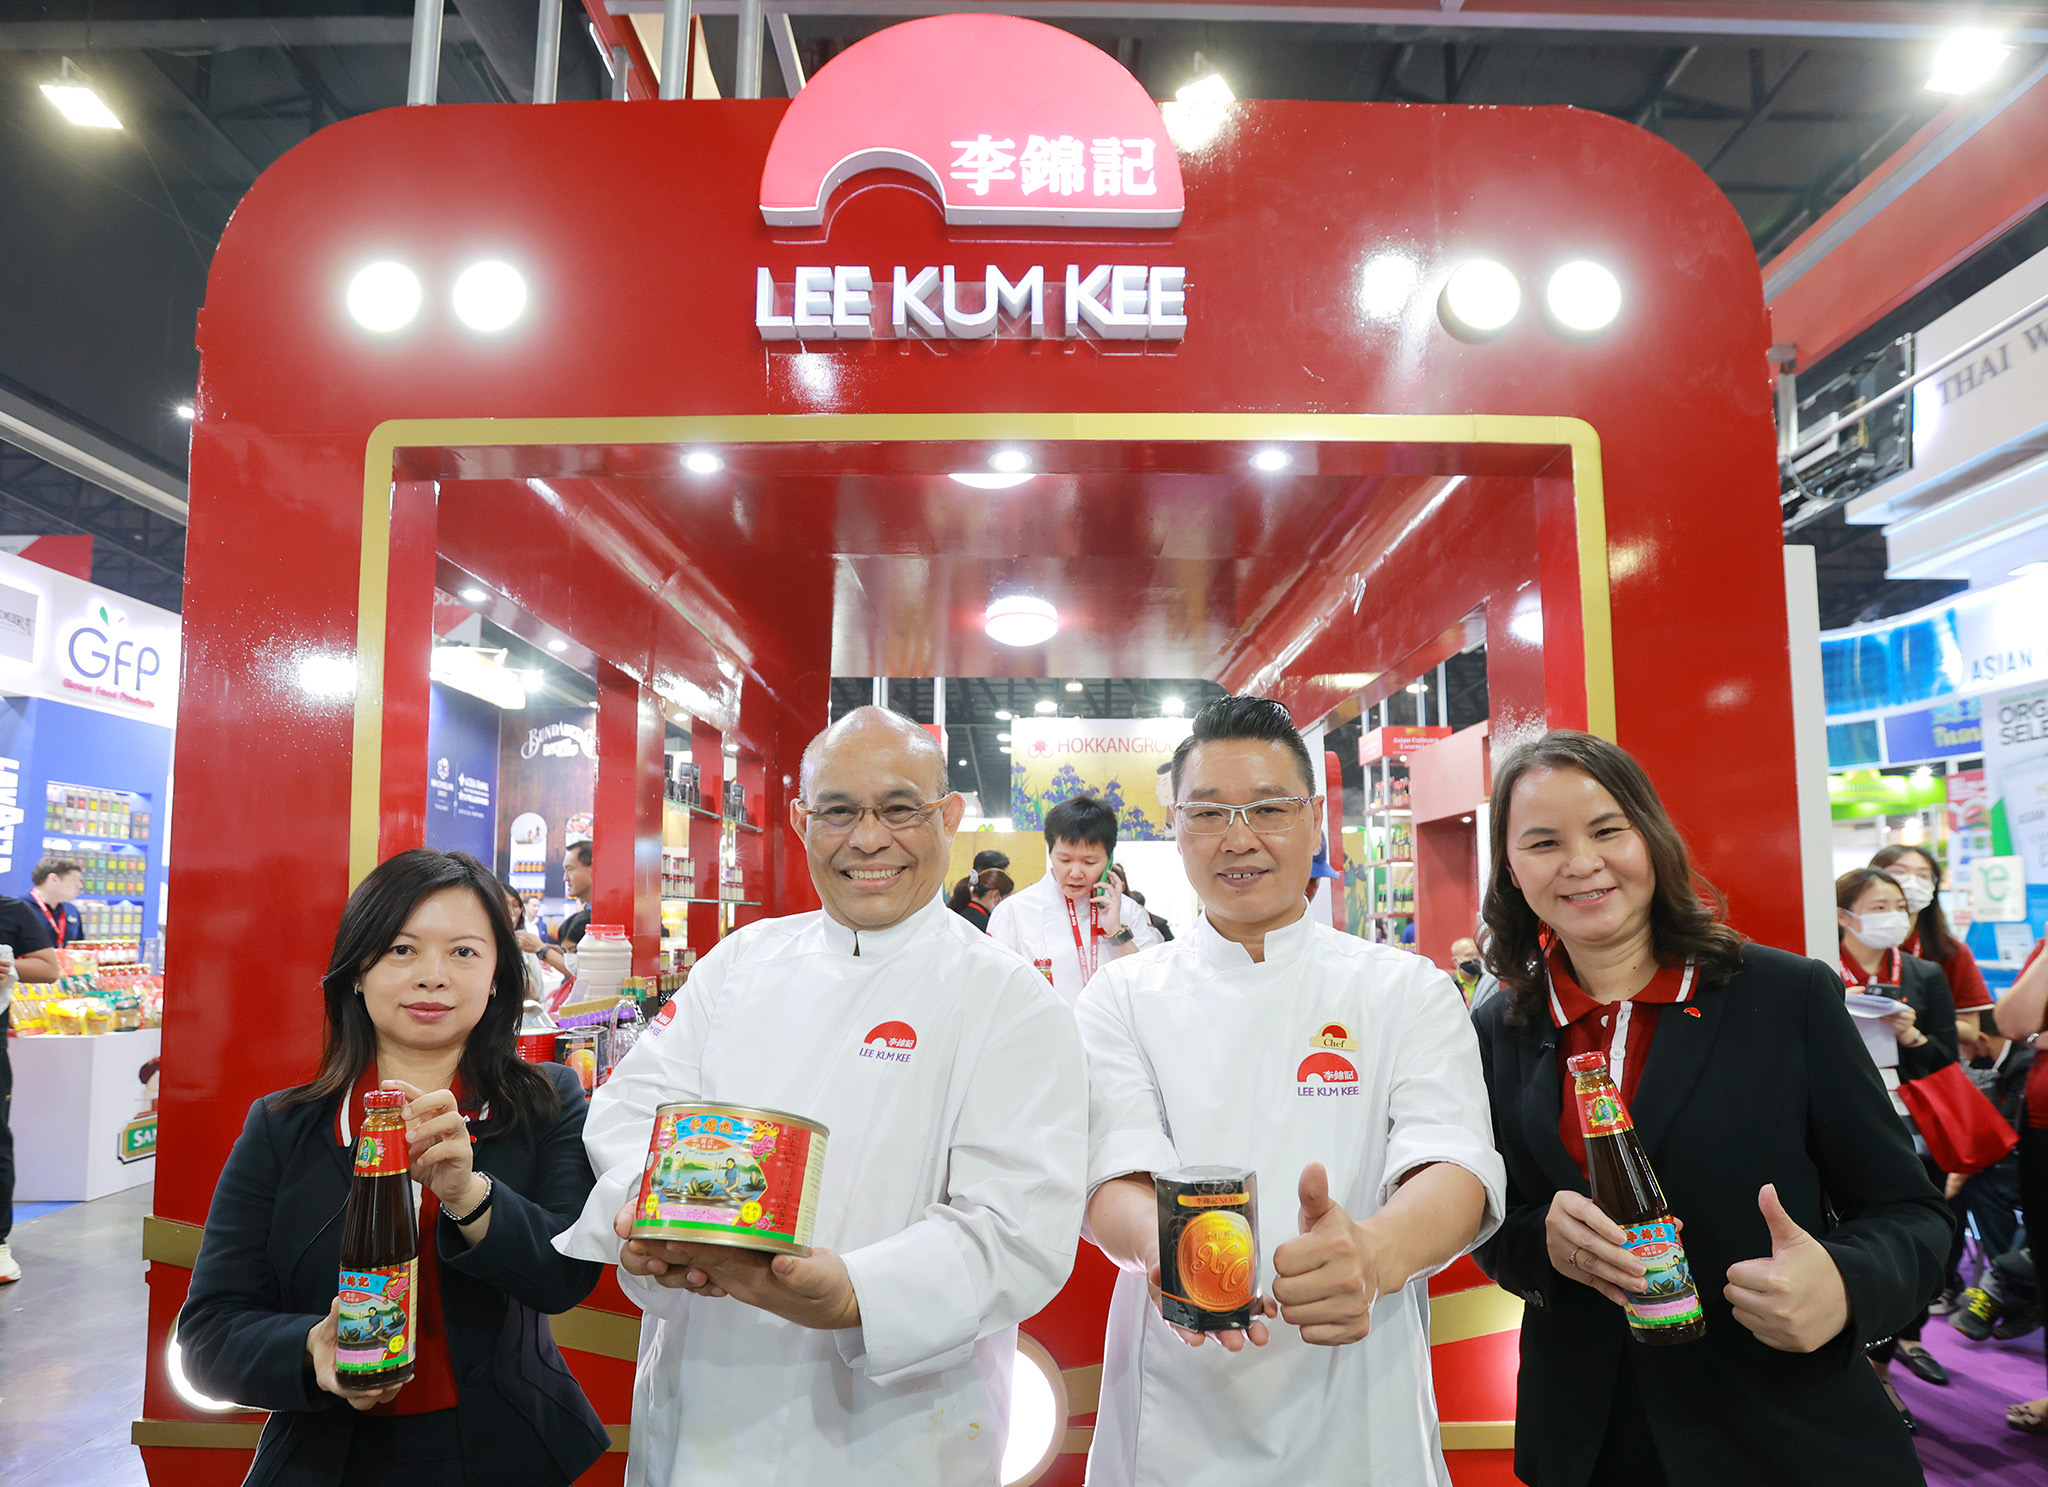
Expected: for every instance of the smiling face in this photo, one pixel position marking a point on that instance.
(1580, 862)
(872, 876)
(429, 987)
(1247, 882)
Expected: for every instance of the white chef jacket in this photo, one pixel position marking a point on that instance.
(1033, 922)
(1198, 1056)
(952, 1189)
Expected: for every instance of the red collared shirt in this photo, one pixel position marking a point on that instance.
(1621, 1030)
(1965, 981)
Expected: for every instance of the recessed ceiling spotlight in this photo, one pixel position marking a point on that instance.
(1047, 706)
(1019, 619)
(1073, 686)
(474, 596)
(558, 645)
(1172, 707)
(1583, 296)
(1962, 64)
(702, 462)
(1002, 738)
(1270, 460)
(384, 297)
(1386, 284)
(1481, 297)
(489, 296)
(186, 411)
(1009, 461)
(1212, 91)
(1418, 687)
(982, 481)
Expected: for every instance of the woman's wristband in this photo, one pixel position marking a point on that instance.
(463, 1220)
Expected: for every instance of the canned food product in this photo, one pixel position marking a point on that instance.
(538, 1047)
(578, 1050)
(731, 1174)
(1208, 1247)
(1043, 965)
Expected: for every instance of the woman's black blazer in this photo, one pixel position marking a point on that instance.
(1926, 990)
(1769, 1083)
(267, 1270)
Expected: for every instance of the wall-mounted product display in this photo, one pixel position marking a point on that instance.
(1380, 879)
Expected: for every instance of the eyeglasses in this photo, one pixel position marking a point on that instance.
(837, 820)
(1275, 817)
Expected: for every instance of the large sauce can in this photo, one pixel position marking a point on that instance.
(1208, 1247)
(731, 1174)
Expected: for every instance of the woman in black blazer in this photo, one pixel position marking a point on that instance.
(1809, 1226)
(423, 995)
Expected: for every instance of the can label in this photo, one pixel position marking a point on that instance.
(1668, 1298)
(375, 1329)
(380, 1152)
(730, 1177)
(1208, 1247)
(1601, 1113)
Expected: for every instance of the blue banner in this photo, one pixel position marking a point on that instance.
(1953, 731)
(462, 773)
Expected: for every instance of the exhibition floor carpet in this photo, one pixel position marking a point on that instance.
(1963, 1436)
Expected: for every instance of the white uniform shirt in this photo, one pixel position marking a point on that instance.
(1033, 922)
(952, 1189)
(1198, 1056)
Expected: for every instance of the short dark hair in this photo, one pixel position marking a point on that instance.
(1084, 821)
(54, 867)
(1259, 719)
(991, 858)
(579, 850)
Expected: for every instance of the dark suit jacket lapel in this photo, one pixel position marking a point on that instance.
(1677, 1055)
(1543, 1103)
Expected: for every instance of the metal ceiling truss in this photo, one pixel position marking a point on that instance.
(135, 551)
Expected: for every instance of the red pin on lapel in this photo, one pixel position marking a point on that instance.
(1692, 1011)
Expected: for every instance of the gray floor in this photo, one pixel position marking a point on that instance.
(71, 1340)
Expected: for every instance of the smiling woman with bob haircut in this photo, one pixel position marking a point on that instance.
(1810, 1228)
(422, 995)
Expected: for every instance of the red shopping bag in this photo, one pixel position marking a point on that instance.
(1964, 1131)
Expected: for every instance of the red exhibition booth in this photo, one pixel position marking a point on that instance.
(747, 280)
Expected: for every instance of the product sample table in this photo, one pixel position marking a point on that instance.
(84, 1114)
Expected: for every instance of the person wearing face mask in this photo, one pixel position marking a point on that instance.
(1931, 938)
(1466, 967)
(1872, 923)
(1810, 1227)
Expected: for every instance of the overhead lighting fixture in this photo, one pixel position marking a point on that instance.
(1004, 715)
(1583, 296)
(1002, 738)
(1212, 91)
(1073, 686)
(1046, 707)
(1009, 461)
(1963, 63)
(327, 676)
(1172, 707)
(474, 596)
(479, 673)
(702, 462)
(558, 645)
(1481, 298)
(186, 411)
(1418, 687)
(1270, 460)
(1386, 284)
(384, 297)
(78, 100)
(961, 762)
(489, 296)
(985, 482)
(1002, 748)
(1198, 113)
(1019, 619)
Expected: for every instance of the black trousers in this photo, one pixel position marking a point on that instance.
(404, 1451)
(6, 1131)
(2034, 1190)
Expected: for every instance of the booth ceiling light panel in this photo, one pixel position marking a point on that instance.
(384, 297)
(1967, 61)
(983, 481)
(702, 462)
(1004, 715)
(1020, 620)
(1482, 297)
(558, 646)
(1211, 90)
(1270, 460)
(475, 596)
(490, 296)
(1073, 686)
(1047, 706)
(1583, 296)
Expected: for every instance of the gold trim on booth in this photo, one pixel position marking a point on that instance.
(1478, 1435)
(1084, 1388)
(1479, 1312)
(170, 1241)
(373, 583)
(622, 1437)
(590, 1330)
(216, 1435)
(1077, 1440)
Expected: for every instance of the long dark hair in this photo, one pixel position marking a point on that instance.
(491, 1069)
(1687, 913)
(1937, 940)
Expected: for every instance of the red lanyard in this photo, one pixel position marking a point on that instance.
(58, 922)
(1090, 956)
(1893, 969)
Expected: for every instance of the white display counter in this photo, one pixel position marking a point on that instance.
(84, 1117)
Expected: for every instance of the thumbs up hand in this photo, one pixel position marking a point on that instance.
(1327, 1278)
(1793, 1301)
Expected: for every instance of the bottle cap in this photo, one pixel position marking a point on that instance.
(384, 1099)
(1585, 1063)
(606, 931)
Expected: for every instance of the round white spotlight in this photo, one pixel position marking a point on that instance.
(1009, 461)
(1038, 1414)
(1481, 297)
(1270, 460)
(1172, 707)
(1045, 707)
(1019, 619)
(1002, 738)
(702, 462)
(489, 296)
(474, 596)
(327, 676)
(174, 1365)
(558, 646)
(984, 482)
(1966, 61)
(1386, 284)
(186, 411)
(384, 297)
(1075, 687)
(1002, 748)
(1003, 714)
(1583, 296)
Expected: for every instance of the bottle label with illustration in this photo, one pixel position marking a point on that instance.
(1668, 1298)
(380, 1152)
(375, 1328)
(1601, 1113)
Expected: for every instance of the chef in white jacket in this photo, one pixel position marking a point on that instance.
(951, 1079)
(1074, 916)
(1347, 1076)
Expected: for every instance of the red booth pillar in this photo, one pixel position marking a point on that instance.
(626, 855)
(408, 661)
(707, 832)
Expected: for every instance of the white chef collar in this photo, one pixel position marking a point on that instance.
(1282, 944)
(871, 944)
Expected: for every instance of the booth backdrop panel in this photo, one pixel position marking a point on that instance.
(462, 779)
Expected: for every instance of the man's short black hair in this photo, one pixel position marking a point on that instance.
(580, 851)
(1083, 821)
(991, 858)
(1259, 719)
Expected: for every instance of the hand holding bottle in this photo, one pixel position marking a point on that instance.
(1794, 1299)
(1586, 1245)
(320, 1353)
(439, 1147)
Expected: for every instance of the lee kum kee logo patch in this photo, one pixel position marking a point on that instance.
(1325, 1074)
(893, 1042)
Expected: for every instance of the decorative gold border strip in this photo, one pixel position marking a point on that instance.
(1479, 1312)
(366, 765)
(1478, 1435)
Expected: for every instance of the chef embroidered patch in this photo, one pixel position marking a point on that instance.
(892, 1041)
(1325, 1074)
(1333, 1035)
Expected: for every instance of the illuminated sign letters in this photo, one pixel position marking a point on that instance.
(1115, 302)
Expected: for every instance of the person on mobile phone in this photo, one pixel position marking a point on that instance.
(1076, 916)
